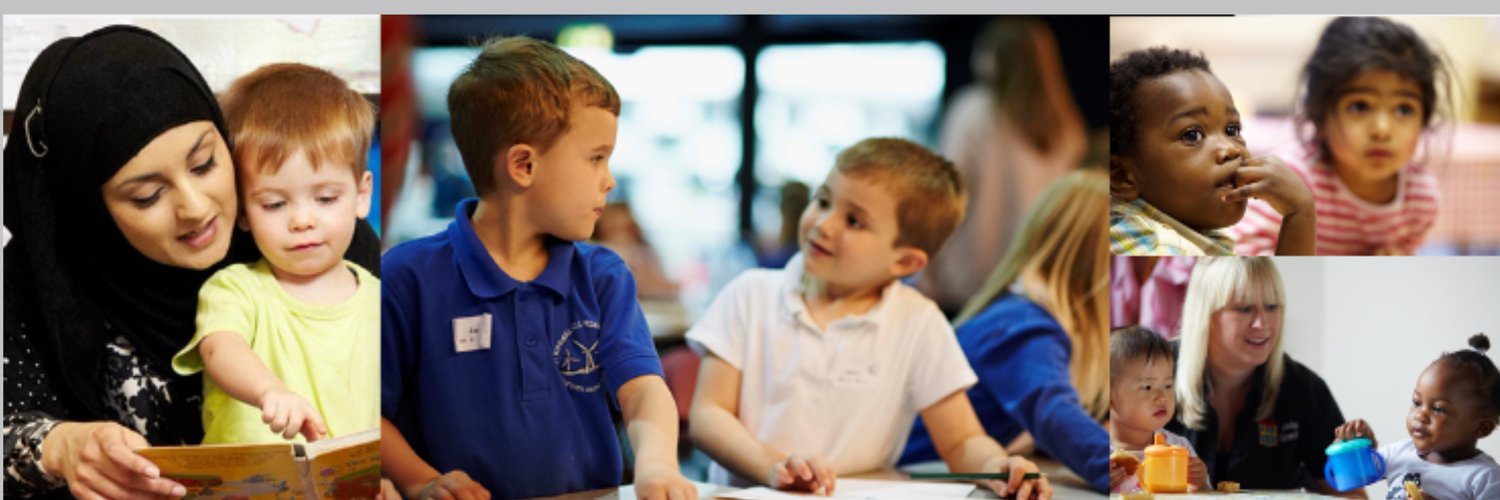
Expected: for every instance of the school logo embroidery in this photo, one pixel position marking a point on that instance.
(574, 354)
(1268, 434)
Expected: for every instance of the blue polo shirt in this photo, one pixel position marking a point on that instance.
(510, 381)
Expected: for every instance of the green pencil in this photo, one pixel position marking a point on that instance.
(999, 476)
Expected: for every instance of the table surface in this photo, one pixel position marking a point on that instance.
(1065, 484)
(1269, 494)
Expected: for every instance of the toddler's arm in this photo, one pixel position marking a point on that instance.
(650, 417)
(961, 441)
(414, 477)
(1268, 178)
(718, 431)
(229, 361)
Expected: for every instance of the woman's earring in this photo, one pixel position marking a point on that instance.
(32, 143)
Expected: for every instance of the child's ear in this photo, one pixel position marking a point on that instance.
(1122, 182)
(909, 261)
(363, 188)
(1486, 427)
(515, 164)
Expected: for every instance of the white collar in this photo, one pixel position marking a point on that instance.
(791, 286)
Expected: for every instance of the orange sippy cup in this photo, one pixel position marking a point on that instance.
(1165, 469)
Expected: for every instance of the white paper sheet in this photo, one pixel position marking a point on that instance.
(865, 489)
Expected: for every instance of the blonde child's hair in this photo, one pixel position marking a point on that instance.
(1061, 259)
(929, 192)
(519, 90)
(1217, 281)
(280, 109)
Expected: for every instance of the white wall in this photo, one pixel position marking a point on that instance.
(221, 48)
(1370, 325)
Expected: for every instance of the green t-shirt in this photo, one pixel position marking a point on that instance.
(329, 355)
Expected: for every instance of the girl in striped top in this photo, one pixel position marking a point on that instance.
(1369, 94)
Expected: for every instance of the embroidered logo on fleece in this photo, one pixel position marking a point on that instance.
(1268, 434)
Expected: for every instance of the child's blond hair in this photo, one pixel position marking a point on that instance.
(519, 90)
(1061, 258)
(282, 108)
(930, 198)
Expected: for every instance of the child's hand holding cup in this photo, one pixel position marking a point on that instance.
(1356, 428)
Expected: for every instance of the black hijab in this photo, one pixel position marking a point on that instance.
(86, 107)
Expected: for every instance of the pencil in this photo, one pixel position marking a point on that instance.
(999, 476)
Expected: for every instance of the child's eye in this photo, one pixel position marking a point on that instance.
(1358, 107)
(147, 201)
(1245, 309)
(1272, 307)
(1233, 130)
(1406, 110)
(597, 158)
(1146, 387)
(855, 223)
(1439, 410)
(1192, 136)
(822, 202)
(272, 206)
(326, 200)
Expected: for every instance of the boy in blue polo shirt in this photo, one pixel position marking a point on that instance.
(504, 342)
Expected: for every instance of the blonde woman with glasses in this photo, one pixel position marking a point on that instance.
(1036, 335)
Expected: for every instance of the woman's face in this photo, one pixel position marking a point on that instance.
(175, 200)
(1243, 332)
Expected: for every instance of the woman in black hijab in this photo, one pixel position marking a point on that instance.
(119, 190)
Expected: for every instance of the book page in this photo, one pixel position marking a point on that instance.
(255, 471)
(347, 466)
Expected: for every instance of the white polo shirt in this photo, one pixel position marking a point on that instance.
(849, 393)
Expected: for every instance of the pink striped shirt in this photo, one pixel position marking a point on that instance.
(1347, 225)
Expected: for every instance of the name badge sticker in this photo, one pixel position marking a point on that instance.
(471, 333)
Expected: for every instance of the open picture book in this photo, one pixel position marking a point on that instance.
(342, 467)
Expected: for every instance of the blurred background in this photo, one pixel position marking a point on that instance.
(729, 122)
(1259, 58)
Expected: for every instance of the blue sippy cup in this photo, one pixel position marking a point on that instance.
(1353, 464)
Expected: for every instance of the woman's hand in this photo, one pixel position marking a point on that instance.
(98, 461)
(289, 414)
(800, 473)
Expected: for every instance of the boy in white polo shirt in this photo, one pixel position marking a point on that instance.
(819, 369)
